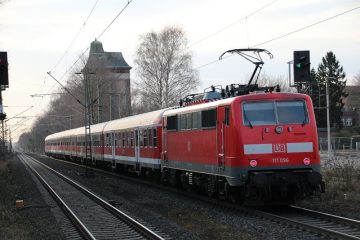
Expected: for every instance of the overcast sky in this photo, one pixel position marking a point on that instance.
(37, 33)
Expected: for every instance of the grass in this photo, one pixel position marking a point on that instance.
(342, 183)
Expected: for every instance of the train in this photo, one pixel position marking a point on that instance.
(249, 144)
(258, 148)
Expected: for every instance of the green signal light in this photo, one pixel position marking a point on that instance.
(298, 65)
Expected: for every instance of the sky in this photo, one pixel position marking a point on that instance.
(37, 35)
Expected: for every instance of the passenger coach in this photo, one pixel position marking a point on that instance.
(132, 142)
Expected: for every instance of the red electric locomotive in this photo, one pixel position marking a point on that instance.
(259, 146)
(236, 143)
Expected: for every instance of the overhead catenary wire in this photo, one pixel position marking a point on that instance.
(20, 113)
(308, 26)
(99, 36)
(76, 36)
(287, 34)
(233, 23)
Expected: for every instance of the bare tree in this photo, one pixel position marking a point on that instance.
(356, 80)
(164, 67)
(268, 80)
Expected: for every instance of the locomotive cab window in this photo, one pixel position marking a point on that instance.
(274, 112)
(291, 112)
(258, 113)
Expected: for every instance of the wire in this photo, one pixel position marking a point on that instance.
(20, 113)
(306, 27)
(287, 34)
(114, 19)
(206, 64)
(76, 36)
(107, 27)
(232, 24)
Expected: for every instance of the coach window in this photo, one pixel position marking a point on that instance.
(131, 138)
(155, 137)
(119, 139)
(122, 139)
(208, 118)
(145, 138)
(127, 139)
(141, 138)
(150, 138)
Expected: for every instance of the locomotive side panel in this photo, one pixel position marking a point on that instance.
(192, 149)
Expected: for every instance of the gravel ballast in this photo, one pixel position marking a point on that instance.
(35, 220)
(177, 216)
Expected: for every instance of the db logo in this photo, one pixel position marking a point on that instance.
(279, 148)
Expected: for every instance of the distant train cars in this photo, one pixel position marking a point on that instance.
(254, 148)
(134, 142)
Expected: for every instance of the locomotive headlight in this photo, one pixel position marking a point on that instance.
(306, 161)
(279, 129)
(253, 163)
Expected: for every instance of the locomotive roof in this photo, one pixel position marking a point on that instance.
(201, 106)
(154, 118)
(228, 101)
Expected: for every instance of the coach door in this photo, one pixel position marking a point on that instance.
(112, 144)
(221, 136)
(137, 149)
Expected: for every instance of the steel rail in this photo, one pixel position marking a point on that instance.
(143, 230)
(338, 219)
(316, 229)
(252, 211)
(68, 212)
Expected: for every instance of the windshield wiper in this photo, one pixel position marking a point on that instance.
(303, 123)
(246, 118)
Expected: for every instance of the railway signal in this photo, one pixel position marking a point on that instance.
(301, 66)
(4, 76)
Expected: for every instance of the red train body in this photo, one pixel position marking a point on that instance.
(259, 146)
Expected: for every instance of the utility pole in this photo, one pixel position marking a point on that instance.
(99, 103)
(2, 118)
(87, 118)
(4, 83)
(328, 119)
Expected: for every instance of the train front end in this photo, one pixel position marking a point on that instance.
(279, 157)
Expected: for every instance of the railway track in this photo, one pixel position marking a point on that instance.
(325, 224)
(92, 216)
(321, 224)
